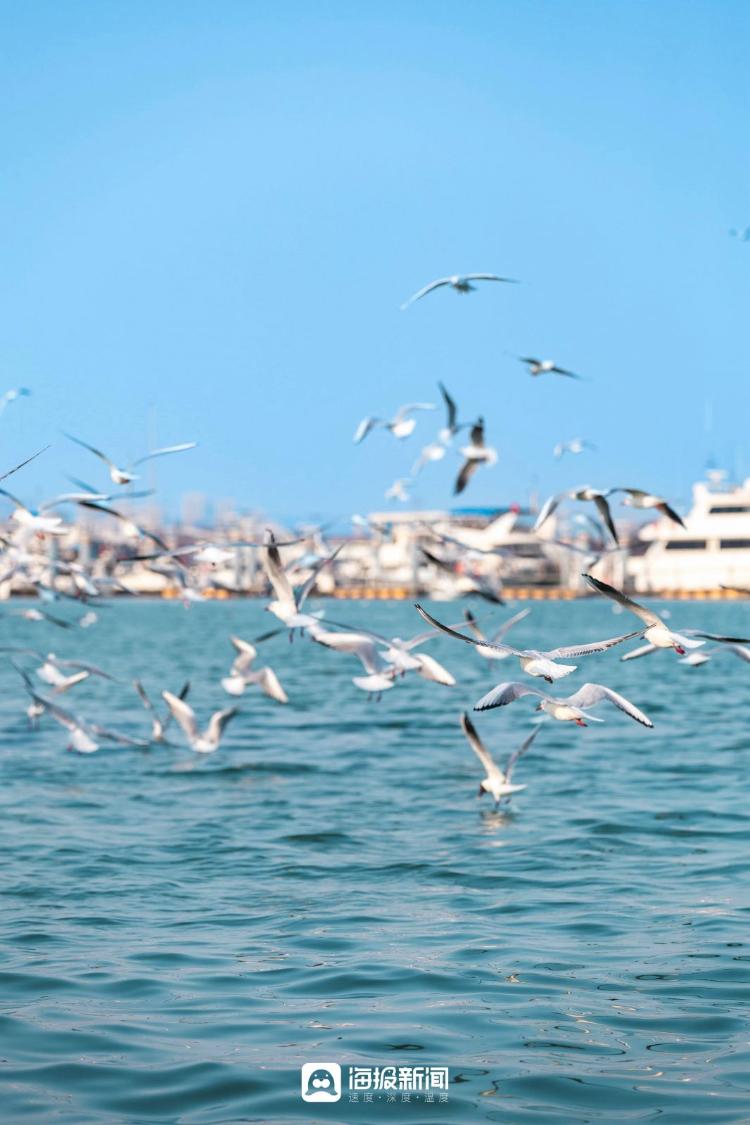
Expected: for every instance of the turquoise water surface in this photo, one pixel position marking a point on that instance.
(181, 933)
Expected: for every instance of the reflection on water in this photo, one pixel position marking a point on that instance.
(180, 933)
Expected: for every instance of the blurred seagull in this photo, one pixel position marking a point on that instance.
(158, 724)
(657, 633)
(570, 709)
(436, 450)
(545, 367)
(460, 282)
(125, 476)
(242, 676)
(479, 585)
(483, 648)
(12, 395)
(203, 742)
(398, 490)
(497, 781)
(536, 662)
(575, 445)
(41, 615)
(742, 234)
(476, 453)
(287, 605)
(637, 498)
(400, 425)
(585, 493)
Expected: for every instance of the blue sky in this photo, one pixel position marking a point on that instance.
(212, 212)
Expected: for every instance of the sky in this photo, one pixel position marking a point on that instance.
(211, 214)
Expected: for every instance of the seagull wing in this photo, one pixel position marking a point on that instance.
(364, 428)
(591, 694)
(268, 682)
(183, 713)
(643, 650)
(671, 514)
(472, 737)
(519, 753)
(604, 512)
(145, 700)
(490, 277)
(277, 576)
(307, 587)
(563, 371)
(717, 637)
(741, 651)
(595, 646)
(410, 407)
(246, 653)
(217, 722)
(462, 636)
(166, 449)
(548, 507)
(10, 472)
(468, 469)
(504, 694)
(97, 452)
(451, 409)
(646, 615)
(425, 290)
(431, 669)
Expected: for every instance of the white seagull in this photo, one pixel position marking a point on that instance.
(546, 367)
(575, 445)
(400, 425)
(637, 498)
(584, 493)
(476, 453)
(461, 283)
(158, 724)
(570, 709)
(287, 605)
(497, 782)
(657, 633)
(536, 662)
(205, 741)
(242, 676)
(125, 476)
(12, 395)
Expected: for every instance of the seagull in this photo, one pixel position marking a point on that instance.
(479, 586)
(436, 450)
(51, 667)
(546, 367)
(476, 453)
(36, 708)
(34, 521)
(397, 491)
(125, 476)
(80, 734)
(536, 662)
(483, 648)
(287, 605)
(241, 676)
(400, 425)
(158, 724)
(584, 493)
(401, 655)
(571, 709)
(637, 498)
(12, 395)
(206, 741)
(575, 445)
(380, 675)
(657, 632)
(41, 615)
(497, 782)
(460, 282)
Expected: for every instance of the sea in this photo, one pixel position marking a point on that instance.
(180, 934)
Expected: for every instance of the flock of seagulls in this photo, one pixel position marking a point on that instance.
(381, 663)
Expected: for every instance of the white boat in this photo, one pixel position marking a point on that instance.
(712, 551)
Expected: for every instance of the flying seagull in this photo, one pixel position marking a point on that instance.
(476, 453)
(536, 662)
(460, 282)
(575, 445)
(158, 724)
(400, 425)
(637, 498)
(584, 493)
(497, 781)
(287, 605)
(125, 476)
(242, 675)
(12, 395)
(205, 741)
(570, 709)
(546, 367)
(436, 450)
(657, 632)
(483, 648)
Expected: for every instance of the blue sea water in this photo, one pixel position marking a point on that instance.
(179, 934)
